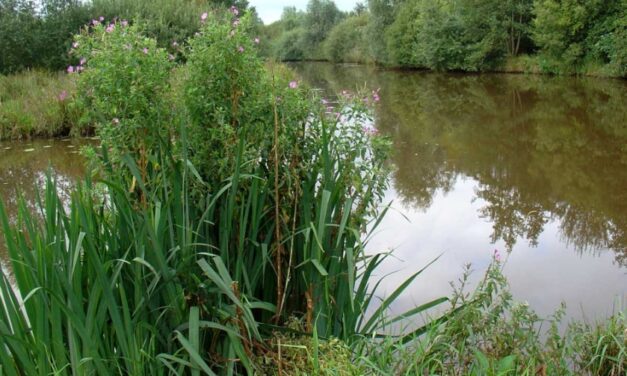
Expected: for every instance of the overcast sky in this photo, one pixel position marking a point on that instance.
(270, 10)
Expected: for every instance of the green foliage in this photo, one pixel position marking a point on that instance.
(167, 267)
(38, 104)
(573, 35)
(320, 18)
(486, 332)
(166, 21)
(347, 42)
(290, 45)
(122, 81)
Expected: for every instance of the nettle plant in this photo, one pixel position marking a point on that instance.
(123, 77)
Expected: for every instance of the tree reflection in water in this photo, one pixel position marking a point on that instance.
(541, 149)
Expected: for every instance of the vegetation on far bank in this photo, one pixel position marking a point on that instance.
(541, 36)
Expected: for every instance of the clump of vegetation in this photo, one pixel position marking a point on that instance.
(37, 104)
(173, 264)
(486, 332)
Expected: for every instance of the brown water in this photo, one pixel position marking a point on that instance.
(535, 167)
(532, 166)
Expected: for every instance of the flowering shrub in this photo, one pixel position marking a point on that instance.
(122, 79)
(228, 93)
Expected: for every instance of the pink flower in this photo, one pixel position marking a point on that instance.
(62, 95)
(145, 50)
(293, 84)
(70, 69)
(203, 17)
(95, 22)
(101, 18)
(82, 61)
(376, 98)
(497, 255)
(240, 49)
(234, 10)
(110, 28)
(116, 121)
(75, 45)
(370, 130)
(256, 40)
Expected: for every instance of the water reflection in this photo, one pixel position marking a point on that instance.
(25, 165)
(541, 149)
(532, 164)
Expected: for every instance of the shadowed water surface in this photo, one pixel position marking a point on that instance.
(532, 166)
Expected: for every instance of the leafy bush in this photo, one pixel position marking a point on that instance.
(122, 80)
(290, 45)
(347, 41)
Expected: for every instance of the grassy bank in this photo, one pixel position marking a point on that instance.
(38, 104)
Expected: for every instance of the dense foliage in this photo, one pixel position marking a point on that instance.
(570, 36)
(219, 215)
(38, 34)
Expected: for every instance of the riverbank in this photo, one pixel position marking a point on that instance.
(37, 104)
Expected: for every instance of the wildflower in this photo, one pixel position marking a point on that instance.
(70, 69)
(101, 18)
(370, 130)
(116, 121)
(240, 49)
(62, 95)
(110, 28)
(95, 22)
(293, 84)
(124, 23)
(75, 45)
(497, 255)
(203, 17)
(256, 40)
(375, 95)
(82, 61)
(234, 10)
(145, 50)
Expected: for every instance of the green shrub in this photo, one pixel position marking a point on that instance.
(122, 80)
(347, 41)
(290, 45)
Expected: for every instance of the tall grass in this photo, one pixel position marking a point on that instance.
(37, 104)
(138, 277)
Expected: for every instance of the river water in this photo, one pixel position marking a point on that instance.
(533, 167)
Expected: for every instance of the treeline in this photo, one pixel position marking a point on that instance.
(550, 36)
(38, 34)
